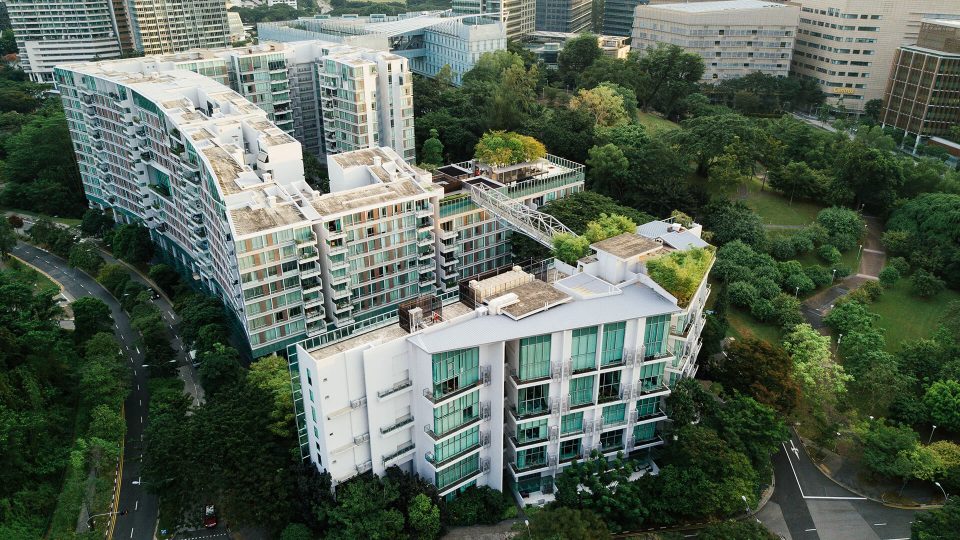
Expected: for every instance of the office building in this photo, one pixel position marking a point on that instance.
(518, 16)
(331, 97)
(848, 46)
(169, 26)
(221, 187)
(734, 37)
(51, 32)
(547, 45)
(618, 16)
(573, 16)
(527, 372)
(923, 93)
(429, 40)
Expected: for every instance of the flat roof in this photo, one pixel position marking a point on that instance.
(627, 245)
(370, 195)
(723, 5)
(955, 23)
(534, 296)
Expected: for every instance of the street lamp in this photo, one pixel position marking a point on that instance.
(834, 278)
(527, 523)
(747, 504)
(942, 491)
(934, 428)
(796, 292)
(839, 338)
(90, 519)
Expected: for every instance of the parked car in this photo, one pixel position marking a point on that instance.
(209, 516)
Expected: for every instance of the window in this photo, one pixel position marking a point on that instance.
(450, 416)
(571, 423)
(453, 370)
(581, 390)
(532, 400)
(651, 376)
(655, 336)
(532, 457)
(611, 440)
(535, 357)
(644, 432)
(570, 449)
(615, 414)
(648, 407)
(457, 445)
(610, 386)
(532, 431)
(583, 349)
(458, 471)
(612, 352)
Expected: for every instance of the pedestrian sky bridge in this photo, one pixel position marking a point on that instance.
(514, 214)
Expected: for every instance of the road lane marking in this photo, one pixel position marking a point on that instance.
(131, 532)
(136, 505)
(879, 524)
(808, 530)
(795, 477)
(138, 350)
(835, 498)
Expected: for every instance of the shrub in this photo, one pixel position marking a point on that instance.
(819, 275)
(476, 505)
(872, 289)
(743, 294)
(782, 248)
(569, 248)
(15, 221)
(762, 310)
(786, 311)
(829, 253)
(766, 287)
(680, 272)
(841, 272)
(924, 284)
(798, 283)
(499, 148)
(801, 243)
(889, 276)
(844, 226)
(900, 264)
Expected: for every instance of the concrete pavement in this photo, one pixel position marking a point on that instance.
(141, 506)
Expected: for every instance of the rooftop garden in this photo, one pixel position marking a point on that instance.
(681, 272)
(570, 248)
(504, 148)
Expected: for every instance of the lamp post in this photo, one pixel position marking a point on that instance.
(90, 519)
(527, 523)
(932, 429)
(834, 277)
(839, 339)
(942, 491)
(796, 292)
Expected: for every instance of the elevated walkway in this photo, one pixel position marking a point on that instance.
(514, 214)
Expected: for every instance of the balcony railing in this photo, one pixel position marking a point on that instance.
(405, 449)
(399, 423)
(406, 383)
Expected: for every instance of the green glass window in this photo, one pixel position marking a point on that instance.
(535, 357)
(532, 457)
(457, 444)
(456, 472)
(611, 440)
(533, 399)
(583, 349)
(581, 390)
(453, 370)
(644, 432)
(570, 449)
(612, 351)
(450, 416)
(614, 414)
(648, 407)
(529, 484)
(571, 423)
(655, 336)
(651, 376)
(532, 431)
(610, 386)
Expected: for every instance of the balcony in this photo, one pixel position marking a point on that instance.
(532, 466)
(404, 450)
(655, 416)
(647, 389)
(402, 385)
(405, 421)
(483, 441)
(425, 214)
(428, 429)
(632, 444)
(364, 467)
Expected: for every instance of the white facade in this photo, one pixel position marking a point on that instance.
(848, 46)
(528, 377)
(51, 32)
(734, 37)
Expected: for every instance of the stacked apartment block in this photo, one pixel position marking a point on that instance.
(526, 373)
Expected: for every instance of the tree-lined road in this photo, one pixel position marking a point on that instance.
(141, 507)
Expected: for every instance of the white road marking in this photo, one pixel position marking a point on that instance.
(138, 352)
(141, 419)
(835, 498)
(808, 530)
(794, 450)
(141, 401)
(879, 524)
(136, 505)
(131, 532)
(795, 477)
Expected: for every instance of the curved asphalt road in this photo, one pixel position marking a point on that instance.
(141, 518)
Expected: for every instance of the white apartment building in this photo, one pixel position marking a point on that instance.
(428, 40)
(221, 187)
(518, 16)
(508, 385)
(848, 46)
(333, 98)
(169, 26)
(51, 32)
(734, 37)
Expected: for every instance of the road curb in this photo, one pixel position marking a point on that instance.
(48, 276)
(823, 470)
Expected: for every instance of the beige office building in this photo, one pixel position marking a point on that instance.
(848, 46)
(734, 37)
(169, 26)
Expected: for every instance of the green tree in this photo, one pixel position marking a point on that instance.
(733, 220)
(798, 179)
(577, 55)
(867, 176)
(271, 375)
(886, 448)
(927, 234)
(761, 371)
(739, 530)
(499, 148)
(363, 511)
(608, 226)
(296, 531)
(424, 517)
(603, 103)
(86, 257)
(90, 317)
(567, 523)
(753, 429)
(705, 138)
(569, 248)
(669, 75)
(942, 401)
(165, 277)
(822, 379)
(8, 238)
(433, 149)
(219, 369)
(848, 317)
(96, 223)
(608, 169)
(872, 110)
(844, 226)
(132, 243)
(935, 524)
(924, 284)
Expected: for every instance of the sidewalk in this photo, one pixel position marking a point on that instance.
(849, 475)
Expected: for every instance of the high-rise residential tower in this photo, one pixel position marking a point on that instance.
(167, 26)
(734, 37)
(51, 32)
(849, 46)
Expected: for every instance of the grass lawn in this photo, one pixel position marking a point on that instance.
(775, 209)
(654, 123)
(907, 317)
(24, 213)
(28, 275)
(743, 325)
